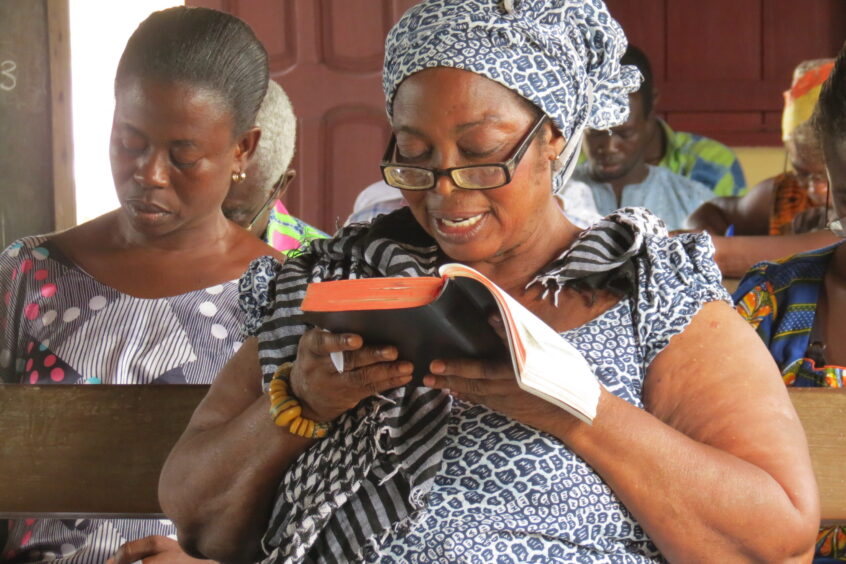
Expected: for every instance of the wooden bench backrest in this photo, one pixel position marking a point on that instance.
(88, 450)
(823, 415)
(97, 450)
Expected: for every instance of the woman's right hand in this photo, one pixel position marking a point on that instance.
(323, 392)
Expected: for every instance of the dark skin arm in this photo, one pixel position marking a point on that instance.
(154, 549)
(735, 255)
(699, 467)
(219, 481)
(750, 214)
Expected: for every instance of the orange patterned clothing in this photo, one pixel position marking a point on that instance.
(791, 196)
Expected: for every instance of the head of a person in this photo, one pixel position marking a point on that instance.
(250, 200)
(187, 89)
(487, 102)
(830, 121)
(800, 136)
(618, 154)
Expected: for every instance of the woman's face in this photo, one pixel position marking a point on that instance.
(445, 118)
(835, 164)
(172, 154)
(807, 161)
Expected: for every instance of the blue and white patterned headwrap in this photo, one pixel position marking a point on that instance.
(562, 55)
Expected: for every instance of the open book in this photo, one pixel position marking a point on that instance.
(428, 318)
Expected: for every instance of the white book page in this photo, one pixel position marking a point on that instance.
(552, 368)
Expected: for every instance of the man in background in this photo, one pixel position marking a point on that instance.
(701, 159)
(618, 175)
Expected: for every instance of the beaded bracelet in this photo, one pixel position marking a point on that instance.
(286, 410)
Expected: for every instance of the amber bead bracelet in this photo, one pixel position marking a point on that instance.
(285, 409)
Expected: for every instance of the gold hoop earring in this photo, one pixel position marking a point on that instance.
(239, 177)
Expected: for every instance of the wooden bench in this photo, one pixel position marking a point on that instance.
(88, 450)
(823, 415)
(97, 450)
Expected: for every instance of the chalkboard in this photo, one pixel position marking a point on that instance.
(27, 114)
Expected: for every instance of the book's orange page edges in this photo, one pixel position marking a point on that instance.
(371, 293)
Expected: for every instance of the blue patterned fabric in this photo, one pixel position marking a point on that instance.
(413, 476)
(562, 55)
(511, 494)
(256, 291)
(779, 299)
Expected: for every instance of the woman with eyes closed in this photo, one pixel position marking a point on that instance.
(487, 100)
(148, 293)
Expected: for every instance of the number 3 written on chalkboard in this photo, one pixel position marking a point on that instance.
(7, 76)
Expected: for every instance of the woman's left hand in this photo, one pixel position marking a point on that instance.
(489, 383)
(492, 383)
(152, 549)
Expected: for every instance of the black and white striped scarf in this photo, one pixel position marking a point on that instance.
(370, 477)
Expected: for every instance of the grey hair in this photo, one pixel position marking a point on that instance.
(278, 136)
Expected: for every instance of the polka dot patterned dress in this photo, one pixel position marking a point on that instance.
(58, 325)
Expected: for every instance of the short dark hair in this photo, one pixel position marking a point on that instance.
(830, 114)
(635, 57)
(200, 47)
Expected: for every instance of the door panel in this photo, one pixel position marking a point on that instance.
(720, 67)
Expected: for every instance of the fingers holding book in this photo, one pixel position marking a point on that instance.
(324, 392)
(491, 383)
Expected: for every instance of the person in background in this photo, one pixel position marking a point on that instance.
(796, 304)
(254, 202)
(699, 158)
(148, 293)
(377, 199)
(381, 198)
(487, 101)
(617, 173)
(770, 207)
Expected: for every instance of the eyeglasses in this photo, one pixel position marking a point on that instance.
(473, 177)
(280, 186)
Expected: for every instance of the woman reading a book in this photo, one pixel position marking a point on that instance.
(487, 102)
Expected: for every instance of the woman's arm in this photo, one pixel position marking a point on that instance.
(750, 214)
(735, 255)
(219, 482)
(715, 469)
(217, 485)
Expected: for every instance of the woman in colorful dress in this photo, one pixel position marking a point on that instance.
(488, 100)
(796, 304)
(770, 207)
(148, 293)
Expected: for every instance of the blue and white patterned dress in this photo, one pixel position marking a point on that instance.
(492, 489)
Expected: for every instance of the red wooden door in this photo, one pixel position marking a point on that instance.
(327, 55)
(721, 66)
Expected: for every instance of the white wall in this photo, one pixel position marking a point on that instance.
(99, 31)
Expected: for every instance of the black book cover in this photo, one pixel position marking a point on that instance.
(454, 325)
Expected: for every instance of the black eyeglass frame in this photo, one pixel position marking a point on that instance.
(508, 166)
